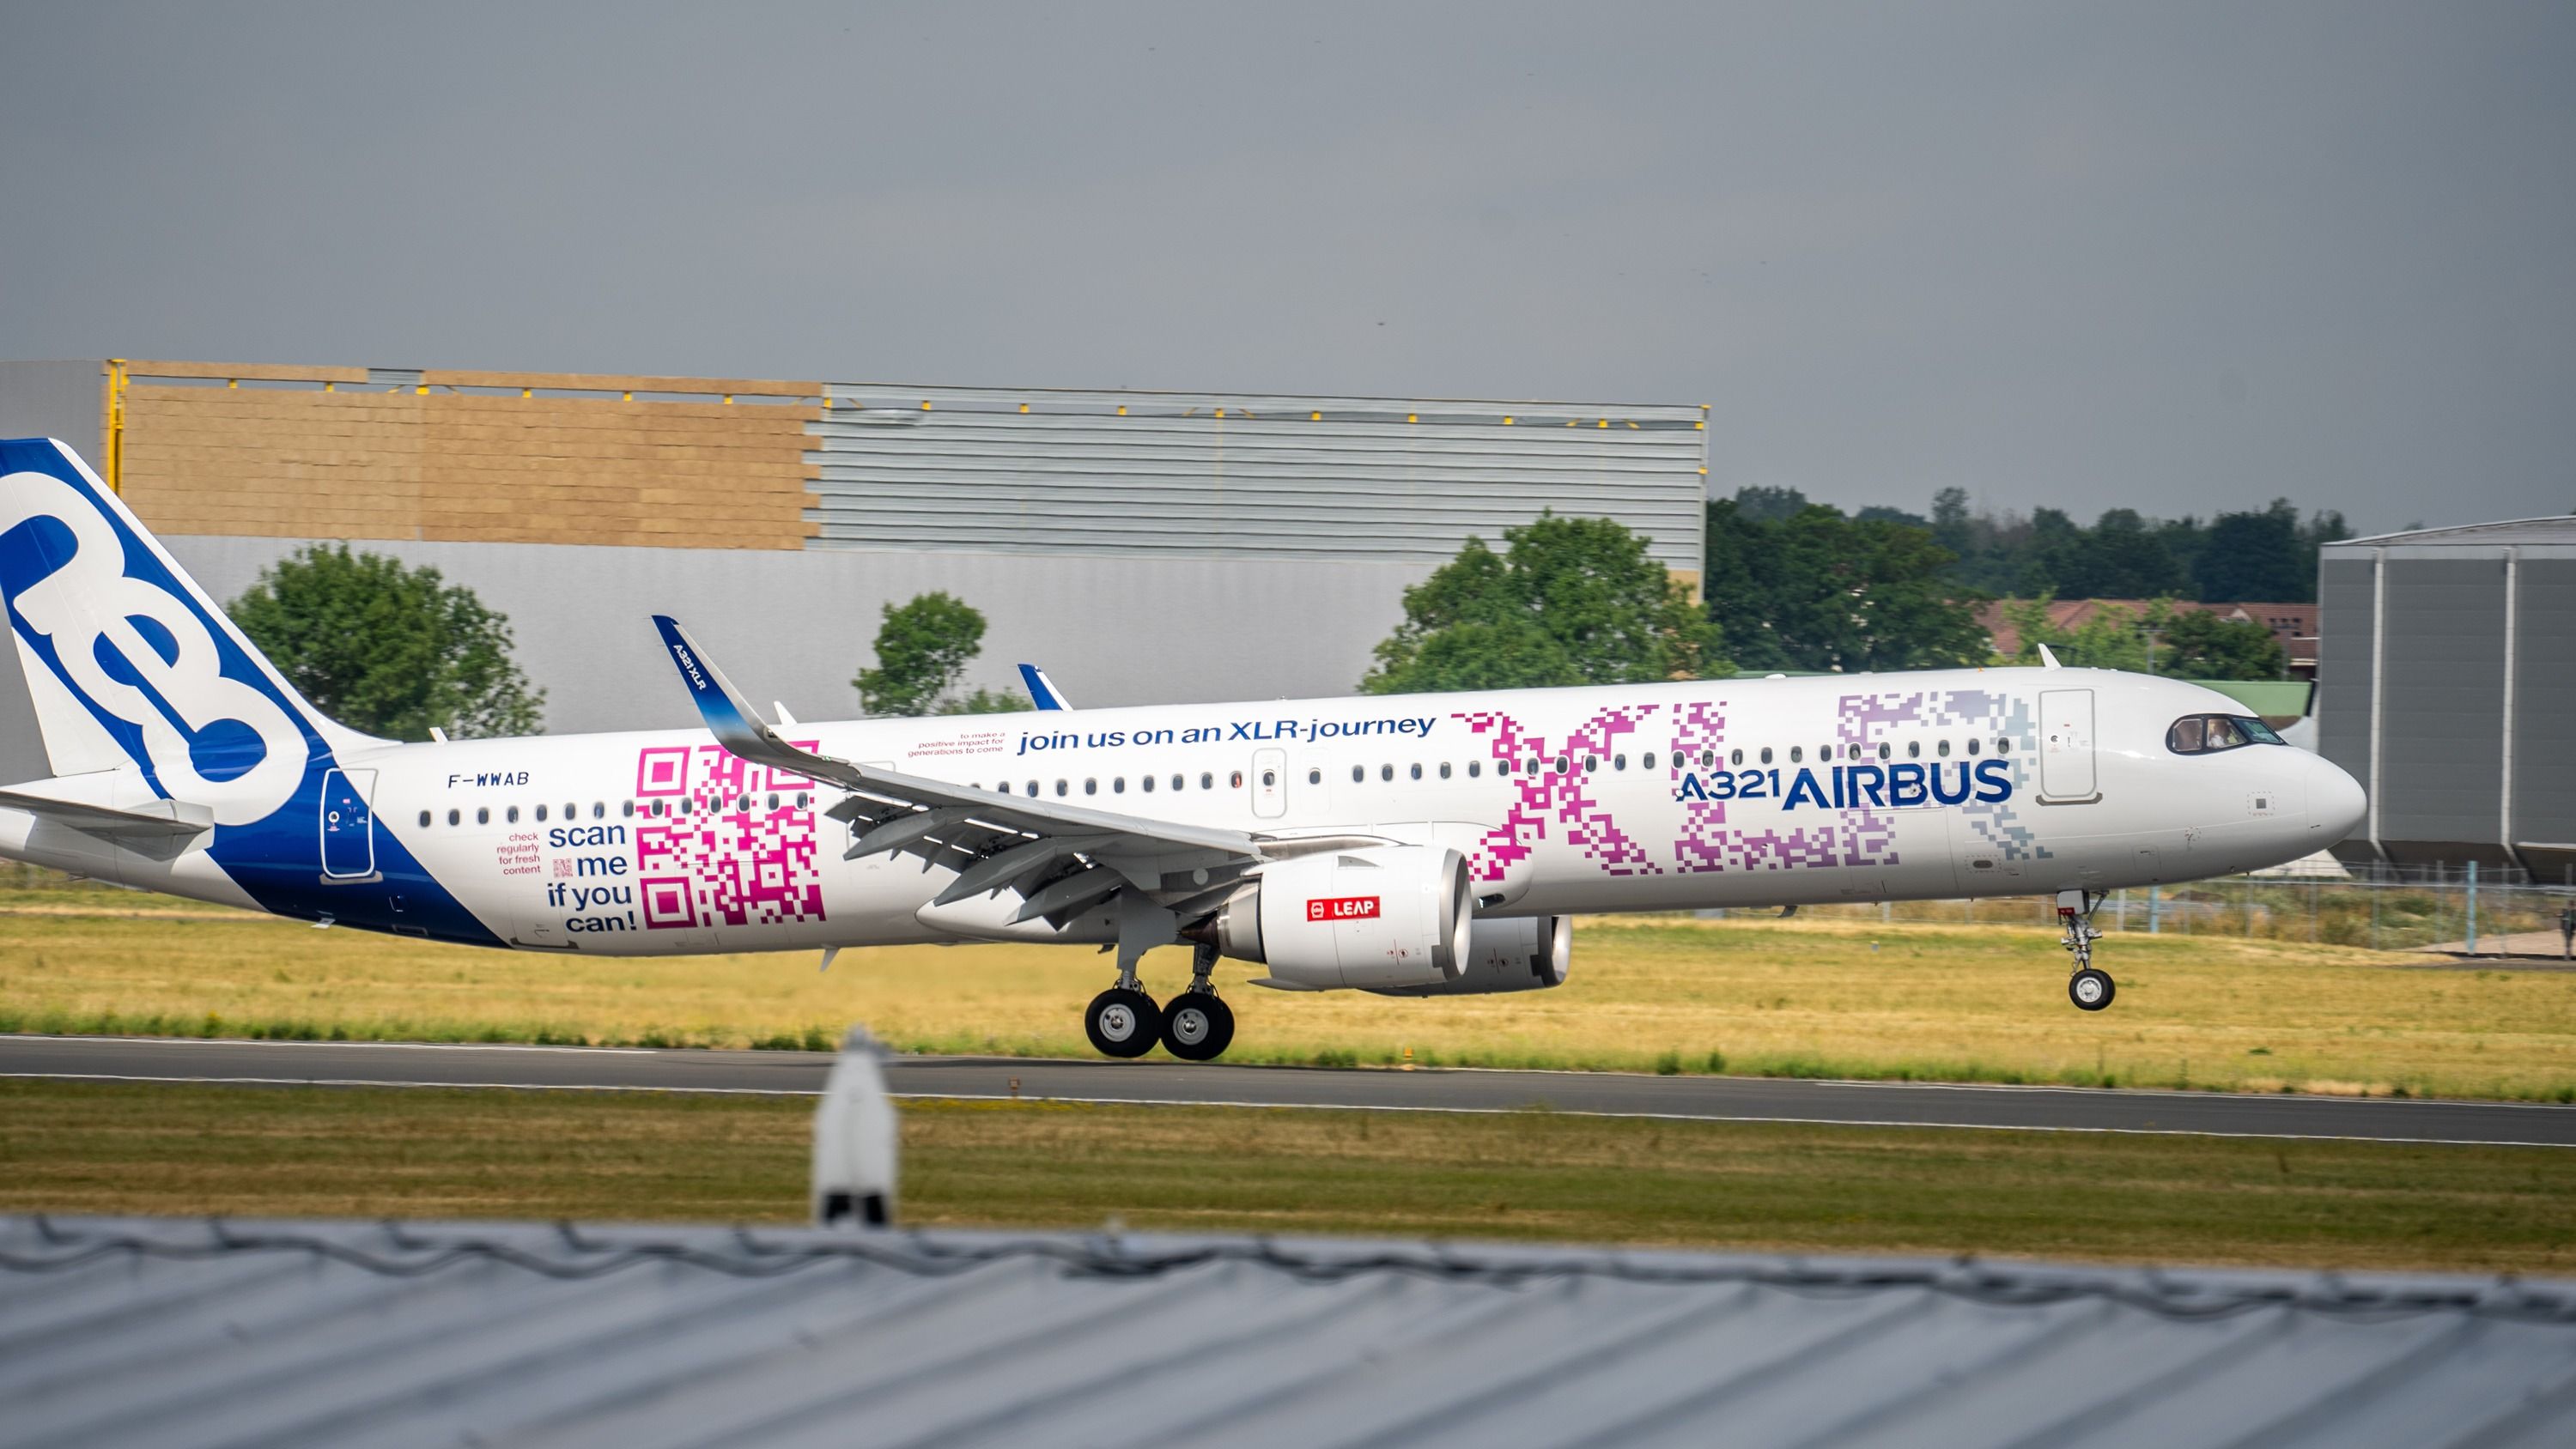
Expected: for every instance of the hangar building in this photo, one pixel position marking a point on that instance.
(2447, 686)
(1147, 547)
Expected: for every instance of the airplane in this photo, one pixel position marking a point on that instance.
(1407, 845)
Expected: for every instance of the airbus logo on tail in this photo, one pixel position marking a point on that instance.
(140, 659)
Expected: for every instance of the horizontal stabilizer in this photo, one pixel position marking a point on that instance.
(156, 819)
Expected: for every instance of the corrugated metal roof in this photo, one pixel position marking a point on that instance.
(2561, 530)
(1212, 474)
(142, 1332)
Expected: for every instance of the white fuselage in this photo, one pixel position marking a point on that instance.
(1745, 792)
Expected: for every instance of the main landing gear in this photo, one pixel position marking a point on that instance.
(2090, 988)
(1195, 1026)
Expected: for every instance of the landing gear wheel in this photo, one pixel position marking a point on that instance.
(1123, 1023)
(2090, 988)
(1197, 1027)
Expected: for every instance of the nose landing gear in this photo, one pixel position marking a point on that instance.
(2090, 987)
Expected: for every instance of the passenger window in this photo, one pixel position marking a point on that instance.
(1444, 769)
(1062, 789)
(541, 814)
(482, 815)
(1766, 754)
(1972, 747)
(1941, 748)
(424, 820)
(1146, 783)
(1269, 778)
(1314, 777)
(1033, 789)
(1235, 781)
(1475, 769)
(1796, 754)
(599, 808)
(1118, 786)
(453, 817)
(512, 815)
(1502, 767)
(773, 802)
(1734, 757)
(1091, 787)
(1562, 763)
(1885, 749)
(2003, 747)
(1914, 749)
(1647, 762)
(1358, 773)
(803, 800)
(1207, 779)
(1386, 772)
(1179, 782)
(1591, 763)
(1618, 762)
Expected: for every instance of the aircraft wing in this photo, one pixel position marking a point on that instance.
(1062, 857)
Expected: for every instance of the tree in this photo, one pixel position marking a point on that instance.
(1823, 592)
(1769, 505)
(2126, 557)
(2256, 556)
(2199, 644)
(1568, 601)
(923, 648)
(388, 649)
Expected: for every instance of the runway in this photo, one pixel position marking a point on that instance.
(1737, 1099)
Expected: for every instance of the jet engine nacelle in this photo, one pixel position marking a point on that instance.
(1385, 916)
(1524, 953)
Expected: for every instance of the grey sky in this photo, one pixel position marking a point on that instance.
(2178, 257)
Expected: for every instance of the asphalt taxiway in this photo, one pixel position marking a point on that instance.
(1740, 1099)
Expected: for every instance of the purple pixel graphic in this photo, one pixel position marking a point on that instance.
(1544, 795)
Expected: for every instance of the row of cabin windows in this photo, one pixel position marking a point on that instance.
(627, 809)
(1562, 764)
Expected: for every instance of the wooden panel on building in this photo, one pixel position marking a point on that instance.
(285, 463)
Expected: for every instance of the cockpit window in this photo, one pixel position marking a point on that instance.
(2201, 734)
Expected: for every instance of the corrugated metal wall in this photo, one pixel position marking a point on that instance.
(1125, 473)
(2431, 642)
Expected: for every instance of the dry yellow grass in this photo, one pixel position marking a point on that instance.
(1838, 998)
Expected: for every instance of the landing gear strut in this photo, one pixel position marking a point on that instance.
(2090, 988)
(1197, 1027)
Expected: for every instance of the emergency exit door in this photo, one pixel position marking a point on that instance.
(348, 825)
(2066, 746)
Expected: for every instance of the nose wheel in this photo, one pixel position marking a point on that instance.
(2090, 987)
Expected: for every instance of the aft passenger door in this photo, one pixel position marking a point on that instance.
(2066, 773)
(348, 825)
(1269, 783)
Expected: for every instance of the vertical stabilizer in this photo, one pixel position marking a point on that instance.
(128, 663)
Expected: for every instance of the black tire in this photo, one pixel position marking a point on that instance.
(1197, 1027)
(2091, 989)
(1123, 1023)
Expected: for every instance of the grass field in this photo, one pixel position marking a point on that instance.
(1837, 998)
(83, 1147)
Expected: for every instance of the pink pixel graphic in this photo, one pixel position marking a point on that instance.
(1544, 795)
(724, 855)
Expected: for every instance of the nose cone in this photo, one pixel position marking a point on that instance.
(2336, 804)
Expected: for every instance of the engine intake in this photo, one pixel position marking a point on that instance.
(1523, 953)
(1382, 917)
